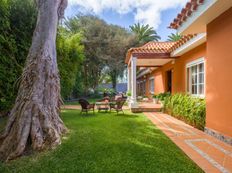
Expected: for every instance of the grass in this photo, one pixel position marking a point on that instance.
(107, 143)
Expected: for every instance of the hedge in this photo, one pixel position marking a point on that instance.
(190, 109)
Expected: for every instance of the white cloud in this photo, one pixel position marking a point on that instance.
(145, 11)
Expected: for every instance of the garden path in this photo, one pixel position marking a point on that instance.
(209, 153)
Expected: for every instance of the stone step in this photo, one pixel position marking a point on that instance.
(139, 109)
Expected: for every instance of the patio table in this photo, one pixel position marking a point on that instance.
(103, 105)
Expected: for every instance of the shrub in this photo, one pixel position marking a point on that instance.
(106, 91)
(163, 96)
(185, 107)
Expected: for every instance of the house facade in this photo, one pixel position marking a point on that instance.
(199, 64)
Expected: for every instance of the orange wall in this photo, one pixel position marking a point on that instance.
(178, 71)
(219, 74)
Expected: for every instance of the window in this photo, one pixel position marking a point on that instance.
(151, 85)
(196, 77)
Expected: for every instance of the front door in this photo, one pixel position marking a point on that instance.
(169, 81)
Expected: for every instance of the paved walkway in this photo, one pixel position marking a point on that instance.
(71, 107)
(207, 152)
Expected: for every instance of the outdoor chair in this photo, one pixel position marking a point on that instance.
(86, 106)
(118, 105)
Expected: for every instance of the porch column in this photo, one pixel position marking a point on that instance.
(128, 78)
(133, 102)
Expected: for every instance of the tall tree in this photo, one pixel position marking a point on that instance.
(145, 33)
(34, 120)
(95, 41)
(120, 40)
(174, 37)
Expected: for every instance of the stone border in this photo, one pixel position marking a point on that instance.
(140, 110)
(218, 135)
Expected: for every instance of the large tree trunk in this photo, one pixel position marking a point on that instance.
(113, 76)
(86, 80)
(34, 121)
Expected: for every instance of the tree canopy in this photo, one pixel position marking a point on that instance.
(105, 48)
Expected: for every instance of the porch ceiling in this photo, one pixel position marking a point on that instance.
(152, 62)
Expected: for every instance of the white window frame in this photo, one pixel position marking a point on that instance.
(152, 78)
(189, 65)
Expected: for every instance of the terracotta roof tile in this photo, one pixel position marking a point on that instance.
(185, 13)
(158, 47)
(154, 47)
(182, 41)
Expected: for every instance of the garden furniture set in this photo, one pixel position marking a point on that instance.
(106, 104)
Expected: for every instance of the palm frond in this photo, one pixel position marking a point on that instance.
(144, 33)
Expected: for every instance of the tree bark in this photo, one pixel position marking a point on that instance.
(34, 121)
(114, 76)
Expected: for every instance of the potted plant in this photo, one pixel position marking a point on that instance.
(155, 99)
(128, 93)
(145, 98)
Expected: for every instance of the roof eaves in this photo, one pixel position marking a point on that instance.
(187, 11)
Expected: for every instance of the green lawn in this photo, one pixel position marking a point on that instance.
(105, 143)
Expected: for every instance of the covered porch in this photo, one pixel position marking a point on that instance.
(152, 55)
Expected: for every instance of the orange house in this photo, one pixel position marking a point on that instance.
(199, 64)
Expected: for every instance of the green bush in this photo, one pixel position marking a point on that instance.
(163, 96)
(185, 107)
(106, 91)
(154, 96)
(17, 23)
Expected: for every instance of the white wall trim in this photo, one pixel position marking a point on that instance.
(196, 14)
(189, 45)
(195, 62)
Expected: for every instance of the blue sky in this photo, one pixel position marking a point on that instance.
(157, 13)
